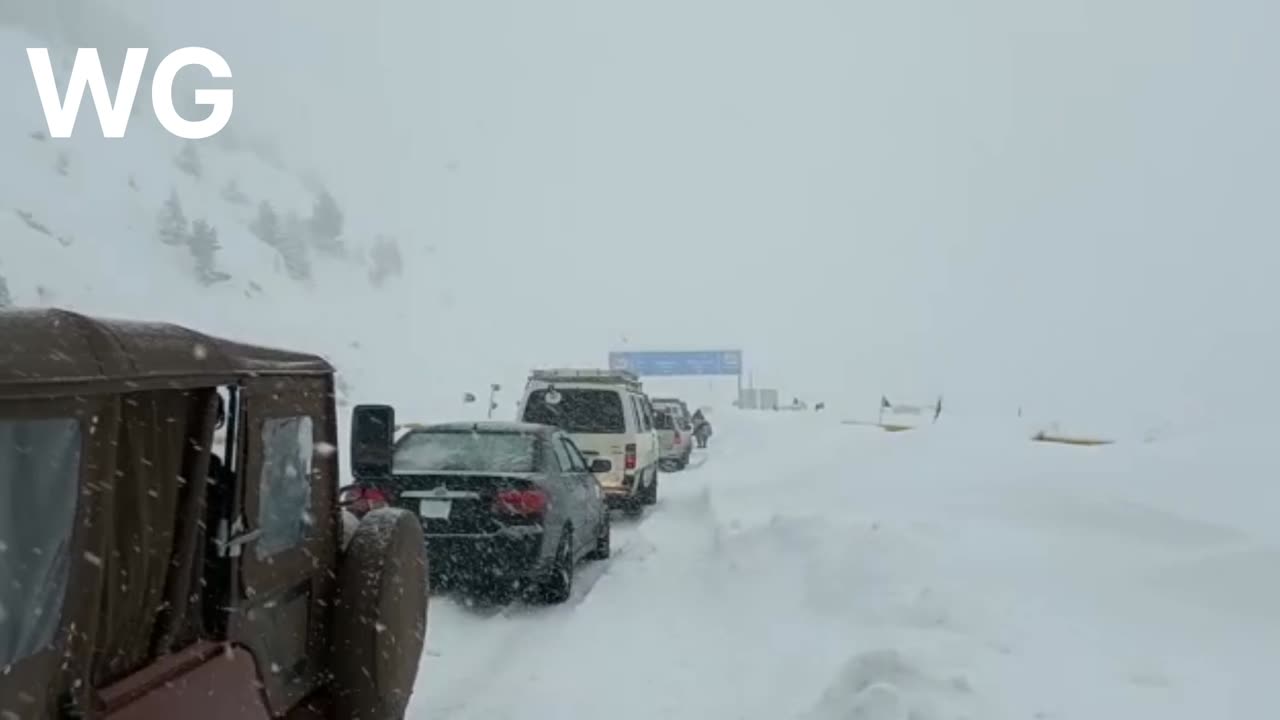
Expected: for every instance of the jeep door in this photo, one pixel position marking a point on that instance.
(288, 528)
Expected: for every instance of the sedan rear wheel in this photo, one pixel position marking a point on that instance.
(558, 586)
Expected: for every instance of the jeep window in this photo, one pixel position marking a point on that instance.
(39, 478)
(284, 505)
(662, 421)
(465, 451)
(579, 411)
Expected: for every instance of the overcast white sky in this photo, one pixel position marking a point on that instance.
(1053, 204)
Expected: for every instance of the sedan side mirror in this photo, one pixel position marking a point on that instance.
(600, 465)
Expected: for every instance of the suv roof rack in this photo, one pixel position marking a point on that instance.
(606, 377)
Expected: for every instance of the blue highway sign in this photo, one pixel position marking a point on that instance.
(700, 362)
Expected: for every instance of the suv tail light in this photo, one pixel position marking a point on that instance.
(521, 502)
(630, 461)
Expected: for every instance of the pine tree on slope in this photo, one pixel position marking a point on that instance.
(204, 245)
(174, 229)
(293, 248)
(266, 227)
(326, 223)
(232, 193)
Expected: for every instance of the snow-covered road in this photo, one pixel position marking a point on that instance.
(815, 571)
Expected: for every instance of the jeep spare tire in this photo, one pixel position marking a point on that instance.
(380, 621)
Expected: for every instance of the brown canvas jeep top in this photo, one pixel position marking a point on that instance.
(149, 570)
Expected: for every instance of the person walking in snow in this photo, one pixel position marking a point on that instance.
(701, 428)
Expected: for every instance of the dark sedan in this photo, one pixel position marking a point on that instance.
(503, 505)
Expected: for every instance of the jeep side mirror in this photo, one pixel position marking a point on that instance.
(372, 436)
(600, 465)
(347, 494)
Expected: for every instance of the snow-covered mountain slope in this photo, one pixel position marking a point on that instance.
(80, 229)
(821, 572)
(80, 223)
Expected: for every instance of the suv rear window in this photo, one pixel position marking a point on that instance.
(662, 421)
(455, 451)
(674, 409)
(39, 479)
(579, 411)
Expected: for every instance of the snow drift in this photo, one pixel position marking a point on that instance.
(810, 570)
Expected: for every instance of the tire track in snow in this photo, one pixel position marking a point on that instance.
(479, 648)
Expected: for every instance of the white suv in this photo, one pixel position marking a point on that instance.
(609, 418)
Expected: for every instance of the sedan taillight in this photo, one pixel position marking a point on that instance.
(362, 500)
(520, 502)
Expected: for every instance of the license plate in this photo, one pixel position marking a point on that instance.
(435, 509)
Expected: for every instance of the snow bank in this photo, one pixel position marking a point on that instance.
(817, 571)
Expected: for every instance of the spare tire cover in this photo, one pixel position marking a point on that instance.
(380, 620)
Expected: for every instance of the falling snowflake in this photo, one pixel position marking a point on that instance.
(325, 449)
(93, 559)
(199, 351)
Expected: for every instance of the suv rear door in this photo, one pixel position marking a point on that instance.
(647, 442)
(600, 420)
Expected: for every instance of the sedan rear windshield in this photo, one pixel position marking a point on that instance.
(582, 411)
(465, 451)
